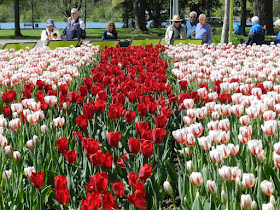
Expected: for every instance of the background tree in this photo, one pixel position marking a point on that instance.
(158, 11)
(17, 22)
(201, 6)
(264, 10)
(126, 9)
(243, 16)
(224, 36)
(65, 6)
(139, 7)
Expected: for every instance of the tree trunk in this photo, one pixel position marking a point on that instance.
(139, 7)
(263, 9)
(156, 21)
(224, 36)
(243, 16)
(17, 26)
(208, 12)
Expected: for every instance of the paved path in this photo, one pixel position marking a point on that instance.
(39, 43)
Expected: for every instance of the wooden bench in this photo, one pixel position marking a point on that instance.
(28, 25)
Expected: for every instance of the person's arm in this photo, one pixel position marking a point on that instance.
(184, 33)
(209, 35)
(63, 35)
(83, 29)
(277, 38)
(44, 38)
(167, 38)
(104, 36)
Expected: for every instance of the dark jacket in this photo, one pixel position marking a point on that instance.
(256, 35)
(74, 31)
(106, 36)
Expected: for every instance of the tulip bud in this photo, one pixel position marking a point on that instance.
(17, 156)
(168, 188)
(36, 140)
(8, 174)
(272, 200)
(8, 151)
(224, 197)
(196, 179)
(268, 206)
(248, 180)
(28, 171)
(246, 201)
(44, 129)
(189, 166)
(187, 151)
(267, 187)
(254, 205)
(30, 144)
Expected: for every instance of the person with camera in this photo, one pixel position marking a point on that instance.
(75, 30)
(50, 33)
(110, 32)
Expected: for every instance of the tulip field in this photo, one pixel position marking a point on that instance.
(163, 127)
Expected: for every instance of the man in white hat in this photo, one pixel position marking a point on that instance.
(175, 31)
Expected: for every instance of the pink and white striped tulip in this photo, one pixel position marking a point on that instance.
(246, 201)
(276, 148)
(202, 92)
(188, 103)
(59, 121)
(201, 112)
(235, 173)
(246, 131)
(267, 187)
(225, 173)
(188, 121)
(225, 136)
(204, 142)
(3, 141)
(196, 179)
(211, 186)
(7, 173)
(28, 171)
(269, 115)
(215, 115)
(269, 127)
(248, 180)
(224, 124)
(213, 125)
(255, 147)
(216, 155)
(233, 149)
(268, 206)
(237, 110)
(15, 124)
(215, 136)
(189, 165)
(17, 156)
(3, 121)
(8, 151)
(224, 149)
(244, 120)
(213, 96)
(261, 156)
(50, 100)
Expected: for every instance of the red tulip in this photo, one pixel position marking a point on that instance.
(83, 90)
(167, 112)
(92, 202)
(90, 147)
(62, 194)
(96, 158)
(40, 84)
(134, 145)
(62, 145)
(82, 122)
(98, 182)
(100, 105)
(63, 89)
(145, 172)
(9, 96)
(142, 126)
(6, 111)
(107, 160)
(113, 138)
(142, 109)
(147, 148)
(132, 96)
(115, 111)
(88, 110)
(71, 156)
(88, 82)
(160, 121)
(152, 107)
(158, 135)
(37, 179)
(118, 189)
(183, 84)
(120, 161)
(129, 116)
(138, 198)
(132, 178)
(109, 201)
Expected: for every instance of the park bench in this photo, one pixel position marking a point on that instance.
(36, 25)
(53, 44)
(19, 46)
(102, 43)
(144, 42)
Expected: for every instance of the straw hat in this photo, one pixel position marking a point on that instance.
(176, 18)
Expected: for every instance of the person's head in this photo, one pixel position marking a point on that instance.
(202, 19)
(254, 20)
(193, 16)
(176, 20)
(111, 26)
(277, 23)
(50, 24)
(74, 13)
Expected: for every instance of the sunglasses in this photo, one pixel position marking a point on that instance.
(73, 13)
(177, 21)
(192, 17)
(111, 25)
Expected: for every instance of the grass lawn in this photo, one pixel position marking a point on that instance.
(123, 33)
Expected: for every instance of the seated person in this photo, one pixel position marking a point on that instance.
(191, 25)
(256, 34)
(203, 30)
(51, 33)
(110, 32)
(75, 30)
(277, 38)
(175, 31)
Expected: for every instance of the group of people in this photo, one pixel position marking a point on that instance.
(194, 29)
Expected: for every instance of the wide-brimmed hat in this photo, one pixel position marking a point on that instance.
(49, 23)
(176, 18)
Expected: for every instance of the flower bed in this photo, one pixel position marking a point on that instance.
(126, 128)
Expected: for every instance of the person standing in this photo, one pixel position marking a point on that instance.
(50, 33)
(203, 30)
(175, 31)
(75, 30)
(110, 32)
(191, 25)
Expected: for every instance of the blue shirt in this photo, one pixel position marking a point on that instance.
(204, 32)
(277, 38)
(106, 36)
(190, 28)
